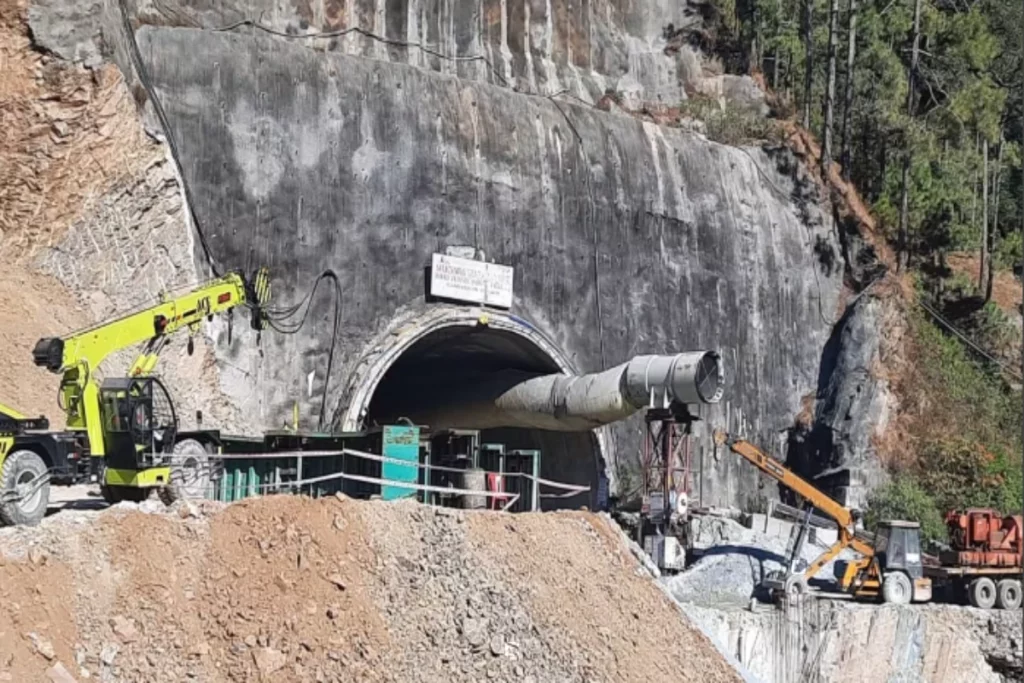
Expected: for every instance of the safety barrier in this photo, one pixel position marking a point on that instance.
(304, 472)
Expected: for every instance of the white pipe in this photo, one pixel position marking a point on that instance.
(577, 403)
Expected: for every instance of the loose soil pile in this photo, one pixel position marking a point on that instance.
(292, 589)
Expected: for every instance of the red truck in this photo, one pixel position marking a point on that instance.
(984, 560)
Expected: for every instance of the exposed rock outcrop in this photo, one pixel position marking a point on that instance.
(838, 642)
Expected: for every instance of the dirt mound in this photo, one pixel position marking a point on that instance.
(292, 589)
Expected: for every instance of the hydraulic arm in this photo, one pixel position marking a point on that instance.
(76, 356)
(844, 517)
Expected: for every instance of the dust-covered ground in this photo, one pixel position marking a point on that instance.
(292, 589)
(834, 640)
(734, 560)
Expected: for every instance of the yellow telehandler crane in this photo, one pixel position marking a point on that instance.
(889, 567)
(122, 433)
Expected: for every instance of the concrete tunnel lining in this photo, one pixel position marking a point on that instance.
(453, 341)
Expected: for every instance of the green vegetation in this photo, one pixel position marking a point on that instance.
(969, 439)
(923, 130)
(729, 125)
(967, 398)
(921, 104)
(904, 498)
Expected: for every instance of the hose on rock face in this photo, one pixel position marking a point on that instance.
(278, 319)
(143, 74)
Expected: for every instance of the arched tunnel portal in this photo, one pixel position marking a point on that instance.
(448, 350)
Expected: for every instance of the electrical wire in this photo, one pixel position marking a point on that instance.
(970, 342)
(143, 74)
(280, 320)
(365, 33)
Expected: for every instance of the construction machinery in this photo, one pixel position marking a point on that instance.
(123, 432)
(668, 387)
(889, 567)
(984, 560)
(983, 563)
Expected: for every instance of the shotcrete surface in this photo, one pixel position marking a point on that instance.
(626, 237)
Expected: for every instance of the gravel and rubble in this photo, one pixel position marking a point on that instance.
(834, 640)
(733, 560)
(286, 588)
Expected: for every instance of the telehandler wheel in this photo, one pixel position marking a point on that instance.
(897, 589)
(190, 472)
(114, 494)
(982, 593)
(24, 489)
(1008, 594)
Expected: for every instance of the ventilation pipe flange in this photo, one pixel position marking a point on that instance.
(658, 381)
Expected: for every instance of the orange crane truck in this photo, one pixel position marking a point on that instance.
(984, 561)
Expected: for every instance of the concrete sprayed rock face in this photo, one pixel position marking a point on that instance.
(627, 237)
(585, 47)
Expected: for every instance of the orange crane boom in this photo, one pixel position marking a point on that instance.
(844, 518)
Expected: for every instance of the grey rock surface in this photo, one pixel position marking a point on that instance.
(582, 49)
(733, 561)
(837, 641)
(627, 237)
(853, 406)
(71, 30)
(367, 167)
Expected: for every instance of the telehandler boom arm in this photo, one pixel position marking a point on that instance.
(77, 355)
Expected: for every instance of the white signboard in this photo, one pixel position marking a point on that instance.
(477, 282)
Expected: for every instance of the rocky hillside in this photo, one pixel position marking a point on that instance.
(291, 589)
(332, 136)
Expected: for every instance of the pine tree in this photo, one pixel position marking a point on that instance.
(808, 30)
(851, 58)
(830, 89)
(984, 216)
(995, 217)
(907, 153)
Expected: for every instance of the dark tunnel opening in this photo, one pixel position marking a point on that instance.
(447, 363)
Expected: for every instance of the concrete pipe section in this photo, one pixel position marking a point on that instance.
(487, 391)
(499, 380)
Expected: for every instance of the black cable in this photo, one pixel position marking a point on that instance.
(330, 353)
(970, 342)
(278, 320)
(363, 32)
(143, 74)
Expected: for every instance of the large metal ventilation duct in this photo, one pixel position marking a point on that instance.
(559, 402)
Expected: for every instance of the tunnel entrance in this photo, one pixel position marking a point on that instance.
(440, 364)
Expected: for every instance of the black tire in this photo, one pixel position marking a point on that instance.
(897, 589)
(19, 470)
(114, 494)
(1008, 594)
(982, 593)
(190, 472)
